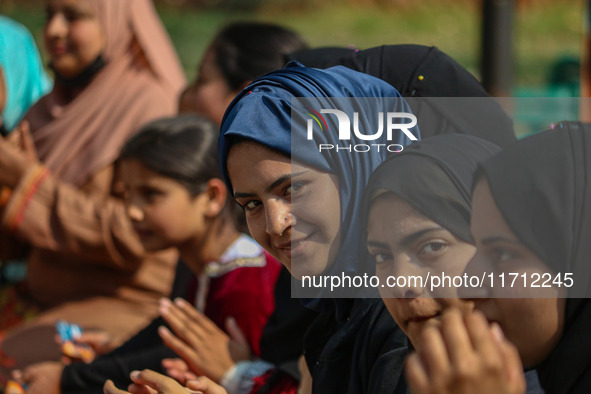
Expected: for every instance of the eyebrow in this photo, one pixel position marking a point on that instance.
(277, 182)
(406, 240)
(495, 239)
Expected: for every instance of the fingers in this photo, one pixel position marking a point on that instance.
(457, 338)
(176, 369)
(416, 375)
(464, 355)
(178, 346)
(17, 376)
(234, 331)
(27, 143)
(433, 353)
(206, 386)
(141, 389)
(179, 321)
(15, 137)
(511, 360)
(109, 388)
(175, 363)
(156, 381)
(186, 313)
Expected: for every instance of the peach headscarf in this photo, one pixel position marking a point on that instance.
(77, 139)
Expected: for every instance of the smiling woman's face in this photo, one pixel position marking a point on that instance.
(303, 237)
(73, 36)
(405, 243)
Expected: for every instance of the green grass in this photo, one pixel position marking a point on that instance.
(544, 30)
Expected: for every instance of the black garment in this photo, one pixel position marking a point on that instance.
(283, 335)
(363, 354)
(425, 72)
(542, 187)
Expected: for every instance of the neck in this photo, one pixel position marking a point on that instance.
(220, 234)
(74, 85)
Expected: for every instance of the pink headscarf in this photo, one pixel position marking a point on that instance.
(79, 138)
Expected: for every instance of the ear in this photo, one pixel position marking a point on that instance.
(216, 194)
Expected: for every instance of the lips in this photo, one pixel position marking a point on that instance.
(294, 247)
(57, 49)
(143, 233)
(421, 318)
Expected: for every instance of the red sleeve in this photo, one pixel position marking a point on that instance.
(284, 385)
(247, 295)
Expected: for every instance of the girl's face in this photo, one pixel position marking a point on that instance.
(73, 36)
(266, 184)
(534, 325)
(405, 243)
(163, 212)
(209, 95)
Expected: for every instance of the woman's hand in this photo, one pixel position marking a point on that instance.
(150, 382)
(465, 355)
(17, 153)
(41, 378)
(205, 348)
(178, 369)
(100, 341)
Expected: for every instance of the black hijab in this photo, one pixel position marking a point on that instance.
(435, 177)
(542, 187)
(425, 72)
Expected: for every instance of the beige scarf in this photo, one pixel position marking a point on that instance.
(79, 138)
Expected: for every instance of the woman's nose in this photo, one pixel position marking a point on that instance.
(135, 213)
(56, 26)
(279, 217)
(409, 278)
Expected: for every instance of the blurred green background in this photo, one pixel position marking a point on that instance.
(545, 31)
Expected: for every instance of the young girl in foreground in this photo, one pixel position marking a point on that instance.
(175, 198)
(531, 216)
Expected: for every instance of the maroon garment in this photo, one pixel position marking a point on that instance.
(245, 293)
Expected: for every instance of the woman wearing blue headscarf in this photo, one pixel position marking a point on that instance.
(302, 195)
(305, 212)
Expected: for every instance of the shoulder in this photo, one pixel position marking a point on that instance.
(243, 253)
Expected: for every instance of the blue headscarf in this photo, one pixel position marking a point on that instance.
(25, 78)
(262, 112)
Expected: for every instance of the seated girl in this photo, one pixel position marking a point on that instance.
(175, 198)
(530, 220)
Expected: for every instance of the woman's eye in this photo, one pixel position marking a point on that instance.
(380, 258)
(294, 188)
(500, 255)
(151, 195)
(49, 13)
(72, 15)
(250, 205)
(433, 247)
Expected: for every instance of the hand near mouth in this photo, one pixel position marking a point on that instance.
(465, 355)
